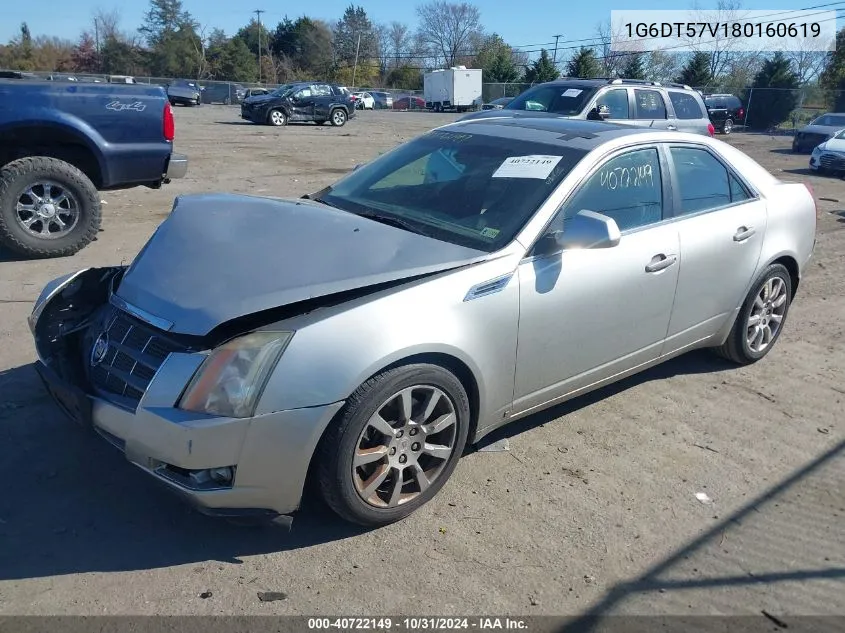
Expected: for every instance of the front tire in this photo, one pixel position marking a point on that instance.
(277, 118)
(395, 444)
(761, 318)
(48, 208)
(338, 117)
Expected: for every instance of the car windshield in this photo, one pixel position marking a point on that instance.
(469, 189)
(830, 119)
(840, 135)
(562, 98)
(281, 91)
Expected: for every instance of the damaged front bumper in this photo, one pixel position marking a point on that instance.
(244, 467)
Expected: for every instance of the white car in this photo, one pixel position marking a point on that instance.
(365, 101)
(829, 157)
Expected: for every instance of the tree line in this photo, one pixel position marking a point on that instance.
(356, 50)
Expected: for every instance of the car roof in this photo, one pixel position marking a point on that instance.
(549, 129)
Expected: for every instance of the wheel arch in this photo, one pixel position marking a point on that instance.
(447, 361)
(788, 261)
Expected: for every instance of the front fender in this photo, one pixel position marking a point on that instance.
(335, 350)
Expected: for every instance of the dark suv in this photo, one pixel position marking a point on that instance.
(725, 111)
(301, 101)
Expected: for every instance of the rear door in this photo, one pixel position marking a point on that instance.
(323, 99)
(689, 115)
(650, 110)
(721, 223)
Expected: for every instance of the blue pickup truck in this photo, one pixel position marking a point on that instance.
(62, 143)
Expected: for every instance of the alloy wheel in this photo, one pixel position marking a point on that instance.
(766, 316)
(404, 446)
(338, 118)
(47, 210)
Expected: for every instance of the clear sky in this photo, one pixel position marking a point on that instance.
(526, 24)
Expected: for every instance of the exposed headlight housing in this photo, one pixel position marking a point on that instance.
(817, 150)
(230, 380)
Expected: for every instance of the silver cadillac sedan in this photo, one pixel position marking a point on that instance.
(360, 337)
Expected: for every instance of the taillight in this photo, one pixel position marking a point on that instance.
(711, 130)
(741, 113)
(169, 124)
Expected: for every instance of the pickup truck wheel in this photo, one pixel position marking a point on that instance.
(277, 118)
(338, 117)
(48, 208)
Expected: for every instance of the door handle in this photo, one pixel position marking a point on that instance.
(660, 262)
(671, 127)
(743, 233)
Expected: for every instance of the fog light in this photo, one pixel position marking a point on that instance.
(222, 475)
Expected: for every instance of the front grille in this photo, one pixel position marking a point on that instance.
(833, 162)
(134, 354)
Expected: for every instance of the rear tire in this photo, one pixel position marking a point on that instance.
(727, 126)
(756, 312)
(337, 476)
(73, 191)
(338, 117)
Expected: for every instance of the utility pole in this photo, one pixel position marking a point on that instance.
(355, 67)
(258, 12)
(554, 59)
(97, 42)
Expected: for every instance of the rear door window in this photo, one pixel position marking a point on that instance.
(649, 104)
(704, 183)
(686, 106)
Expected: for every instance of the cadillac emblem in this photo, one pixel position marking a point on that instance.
(99, 349)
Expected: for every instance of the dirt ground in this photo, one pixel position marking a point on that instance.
(592, 510)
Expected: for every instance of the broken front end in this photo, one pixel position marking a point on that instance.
(181, 408)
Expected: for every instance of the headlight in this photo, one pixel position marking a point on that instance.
(816, 150)
(230, 381)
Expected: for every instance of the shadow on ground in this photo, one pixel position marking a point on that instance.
(73, 504)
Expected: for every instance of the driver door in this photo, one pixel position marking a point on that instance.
(302, 104)
(591, 314)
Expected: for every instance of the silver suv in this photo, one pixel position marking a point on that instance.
(628, 101)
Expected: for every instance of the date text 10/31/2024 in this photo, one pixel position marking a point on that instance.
(416, 624)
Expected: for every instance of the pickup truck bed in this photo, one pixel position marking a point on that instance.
(61, 143)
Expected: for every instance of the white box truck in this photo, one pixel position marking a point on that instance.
(457, 88)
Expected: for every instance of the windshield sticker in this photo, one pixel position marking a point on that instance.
(490, 232)
(534, 166)
(627, 177)
(572, 92)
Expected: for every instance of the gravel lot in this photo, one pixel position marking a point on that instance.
(592, 508)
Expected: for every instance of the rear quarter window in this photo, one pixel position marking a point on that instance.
(686, 106)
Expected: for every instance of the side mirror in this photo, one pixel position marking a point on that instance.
(599, 113)
(586, 229)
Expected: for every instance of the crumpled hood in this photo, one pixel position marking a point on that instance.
(220, 256)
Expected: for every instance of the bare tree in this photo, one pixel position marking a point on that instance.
(398, 36)
(612, 62)
(722, 50)
(660, 65)
(446, 28)
(809, 61)
(107, 24)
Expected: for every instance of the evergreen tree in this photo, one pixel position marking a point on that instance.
(543, 69)
(696, 72)
(773, 107)
(634, 68)
(584, 64)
